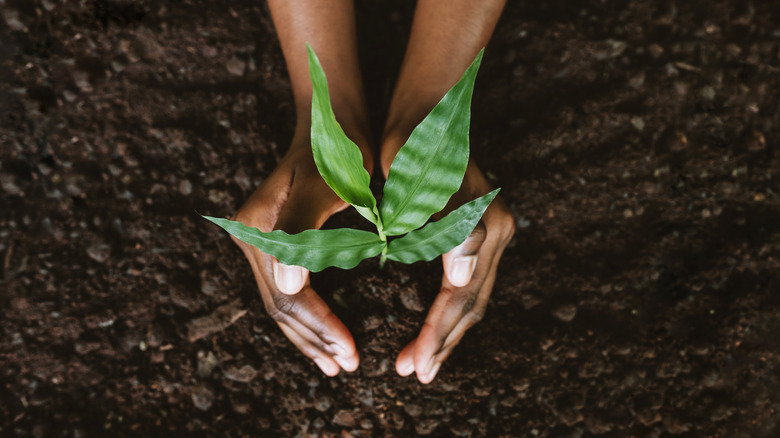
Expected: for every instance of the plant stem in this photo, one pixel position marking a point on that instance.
(383, 257)
(380, 228)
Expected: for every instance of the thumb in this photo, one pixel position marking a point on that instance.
(289, 279)
(460, 262)
(309, 204)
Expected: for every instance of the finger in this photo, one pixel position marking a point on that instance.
(312, 319)
(443, 316)
(323, 361)
(305, 313)
(309, 204)
(454, 311)
(460, 262)
(404, 365)
(449, 344)
(462, 299)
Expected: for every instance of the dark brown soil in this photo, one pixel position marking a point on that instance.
(636, 142)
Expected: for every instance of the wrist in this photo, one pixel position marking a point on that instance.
(354, 124)
(391, 144)
(405, 113)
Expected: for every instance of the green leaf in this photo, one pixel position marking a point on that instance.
(338, 158)
(438, 237)
(429, 168)
(315, 250)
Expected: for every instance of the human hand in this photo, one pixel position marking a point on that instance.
(295, 198)
(469, 274)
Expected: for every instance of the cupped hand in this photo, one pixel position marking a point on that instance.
(295, 198)
(469, 274)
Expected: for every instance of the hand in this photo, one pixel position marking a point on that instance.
(295, 198)
(469, 274)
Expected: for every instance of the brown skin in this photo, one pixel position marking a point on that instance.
(445, 38)
(294, 197)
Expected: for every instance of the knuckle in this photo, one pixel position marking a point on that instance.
(479, 233)
(281, 307)
(275, 314)
(446, 294)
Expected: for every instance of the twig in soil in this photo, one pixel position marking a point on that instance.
(220, 319)
(7, 260)
(688, 67)
(8, 274)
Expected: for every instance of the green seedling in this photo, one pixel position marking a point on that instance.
(425, 173)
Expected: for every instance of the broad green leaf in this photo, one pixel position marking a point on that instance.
(430, 166)
(337, 157)
(438, 237)
(315, 250)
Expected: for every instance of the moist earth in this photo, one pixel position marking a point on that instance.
(635, 142)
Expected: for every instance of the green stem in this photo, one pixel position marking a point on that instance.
(380, 229)
(383, 257)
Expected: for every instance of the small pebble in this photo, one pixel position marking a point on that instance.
(12, 19)
(522, 222)
(708, 93)
(426, 426)
(638, 123)
(413, 410)
(245, 374)
(366, 396)
(236, 66)
(322, 404)
(99, 252)
(344, 418)
(185, 187)
(10, 187)
(240, 407)
(565, 313)
(411, 300)
(655, 50)
(202, 397)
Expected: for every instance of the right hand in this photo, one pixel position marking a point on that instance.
(295, 198)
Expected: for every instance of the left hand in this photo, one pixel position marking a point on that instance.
(469, 274)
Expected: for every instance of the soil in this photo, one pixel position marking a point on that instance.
(635, 141)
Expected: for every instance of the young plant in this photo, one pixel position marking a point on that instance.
(425, 173)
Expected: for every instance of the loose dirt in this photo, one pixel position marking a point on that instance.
(635, 141)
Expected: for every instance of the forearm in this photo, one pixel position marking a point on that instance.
(329, 27)
(445, 39)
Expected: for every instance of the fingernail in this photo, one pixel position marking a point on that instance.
(342, 362)
(326, 367)
(289, 278)
(462, 268)
(407, 369)
(433, 371)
